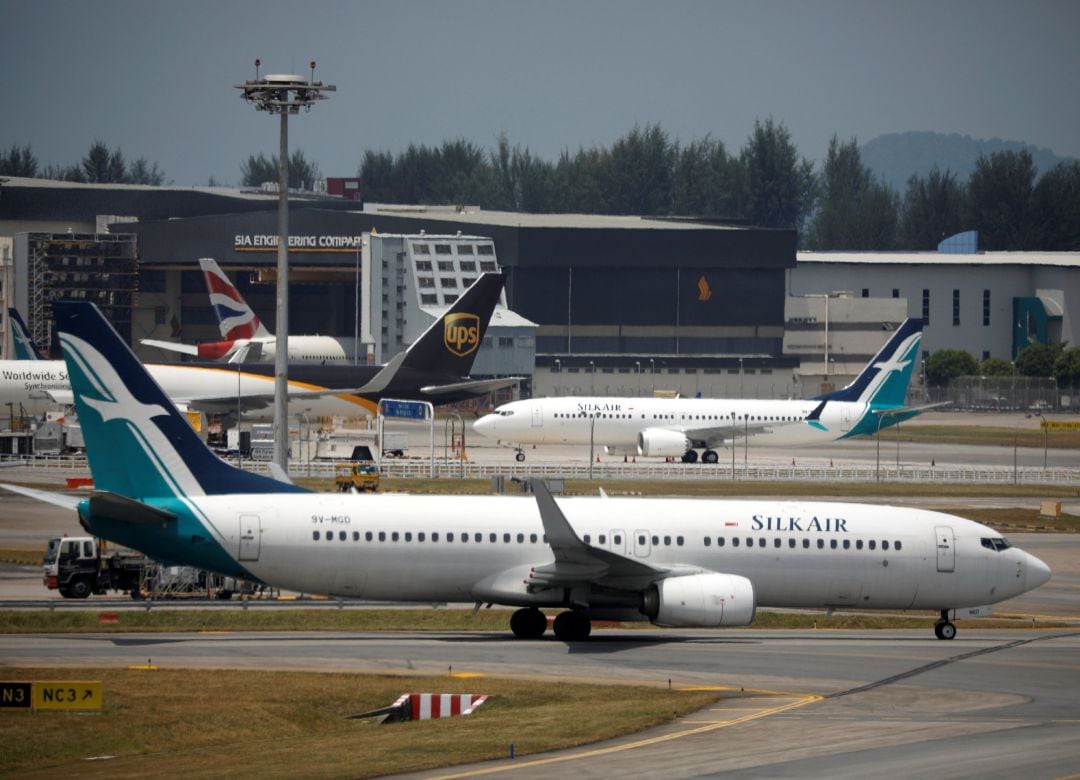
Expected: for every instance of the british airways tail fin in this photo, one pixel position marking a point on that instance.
(885, 379)
(236, 319)
(25, 348)
(449, 345)
(137, 442)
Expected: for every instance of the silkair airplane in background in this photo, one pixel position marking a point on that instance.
(676, 562)
(25, 348)
(680, 426)
(434, 368)
(245, 338)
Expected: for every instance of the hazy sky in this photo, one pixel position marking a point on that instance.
(156, 78)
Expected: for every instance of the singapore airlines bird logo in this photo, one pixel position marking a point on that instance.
(704, 291)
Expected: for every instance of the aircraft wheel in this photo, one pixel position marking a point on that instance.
(520, 457)
(945, 630)
(690, 456)
(572, 627)
(528, 623)
(710, 456)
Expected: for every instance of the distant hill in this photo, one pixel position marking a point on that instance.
(896, 156)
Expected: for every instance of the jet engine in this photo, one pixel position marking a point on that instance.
(700, 601)
(662, 442)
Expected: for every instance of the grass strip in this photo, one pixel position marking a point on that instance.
(292, 724)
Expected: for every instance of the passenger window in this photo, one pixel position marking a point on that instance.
(315, 535)
(896, 546)
(821, 544)
(382, 536)
(602, 539)
(394, 536)
(367, 536)
(641, 540)
(617, 538)
(806, 544)
(791, 543)
(656, 541)
(885, 545)
(872, 544)
(858, 544)
(832, 544)
(749, 541)
(449, 536)
(478, 537)
(464, 537)
(434, 536)
(420, 536)
(761, 542)
(847, 544)
(532, 538)
(776, 542)
(408, 536)
(342, 535)
(734, 541)
(708, 541)
(679, 541)
(356, 536)
(329, 536)
(667, 541)
(520, 538)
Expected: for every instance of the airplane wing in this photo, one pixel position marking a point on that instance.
(911, 411)
(171, 346)
(474, 386)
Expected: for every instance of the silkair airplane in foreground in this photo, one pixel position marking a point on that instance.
(675, 562)
(434, 368)
(680, 426)
(245, 338)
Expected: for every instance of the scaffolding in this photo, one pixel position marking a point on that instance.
(98, 267)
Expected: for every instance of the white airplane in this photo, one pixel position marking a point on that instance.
(24, 346)
(675, 562)
(678, 427)
(245, 338)
(434, 368)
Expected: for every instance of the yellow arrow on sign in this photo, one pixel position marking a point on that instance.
(67, 695)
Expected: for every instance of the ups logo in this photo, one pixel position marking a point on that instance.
(461, 333)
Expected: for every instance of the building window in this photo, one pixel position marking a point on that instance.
(446, 265)
(429, 299)
(426, 281)
(925, 307)
(442, 249)
(487, 265)
(423, 265)
(468, 265)
(955, 307)
(506, 342)
(465, 249)
(449, 299)
(895, 292)
(986, 307)
(421, 249)
(865, 292)
(448, 283)
(485, 249)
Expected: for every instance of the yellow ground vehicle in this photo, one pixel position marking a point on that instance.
(362, 476)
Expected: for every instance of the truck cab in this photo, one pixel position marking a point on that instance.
(71, 564)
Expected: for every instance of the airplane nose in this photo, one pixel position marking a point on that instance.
(485, 426)
(1038, 573)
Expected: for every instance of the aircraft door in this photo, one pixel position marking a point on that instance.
(250, 538)
(845, 418)
(641, 543)
(537, 416)
(617, 541)
(946, 552)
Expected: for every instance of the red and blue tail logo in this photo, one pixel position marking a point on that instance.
(236, 319)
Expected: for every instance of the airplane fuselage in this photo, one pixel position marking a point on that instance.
(451, 548)
(618, 422)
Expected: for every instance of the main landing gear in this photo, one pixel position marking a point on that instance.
(709, 456)
(520, 456)
(943, 629)
(569, 626)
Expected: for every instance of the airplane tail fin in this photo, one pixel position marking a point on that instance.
(25, 348)
(885, 379)
(137, 442)
(450, 344)
(236, 319)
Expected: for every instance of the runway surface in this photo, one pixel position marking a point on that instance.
(795, 703)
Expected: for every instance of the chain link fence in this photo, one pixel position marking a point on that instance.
(1007, 394)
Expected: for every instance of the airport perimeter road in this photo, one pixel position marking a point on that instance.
(795, 703)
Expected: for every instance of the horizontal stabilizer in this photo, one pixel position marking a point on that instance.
(113, 506)
(171, 346)
(65, 500)
(474, 386)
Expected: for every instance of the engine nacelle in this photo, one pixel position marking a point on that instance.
(700, 601)
(662, 442)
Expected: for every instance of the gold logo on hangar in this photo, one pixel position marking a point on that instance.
(461, 333)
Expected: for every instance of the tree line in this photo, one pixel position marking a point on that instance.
(1034, 360)
(841, 206)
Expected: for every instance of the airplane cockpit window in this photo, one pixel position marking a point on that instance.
(996, 543)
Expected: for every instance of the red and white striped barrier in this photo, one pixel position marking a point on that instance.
(428, 706)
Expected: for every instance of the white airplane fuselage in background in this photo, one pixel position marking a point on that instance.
(667, 426)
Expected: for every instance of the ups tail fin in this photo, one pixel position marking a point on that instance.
(138, 444)
(450, 344)
(235, 317)
(25, 348)
(885, 379)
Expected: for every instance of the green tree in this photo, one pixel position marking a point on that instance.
(1067, 367)
(259, 168)
(64, 173)
(101, 166)
(779, 186)
(933, 210)
(705, 181)
(144, 172)
(1000, 200)
(19, 161)
(946, 364)
(996, 367)
(1057, 208)
(639, 173)
(1038, 359)
(854, 210)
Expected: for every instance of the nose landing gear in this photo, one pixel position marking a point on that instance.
(944, 629)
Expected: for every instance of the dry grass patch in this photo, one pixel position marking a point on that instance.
(218, 723)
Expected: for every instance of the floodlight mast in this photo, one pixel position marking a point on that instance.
(284, 95)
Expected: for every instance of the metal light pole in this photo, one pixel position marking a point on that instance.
(283, 95)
